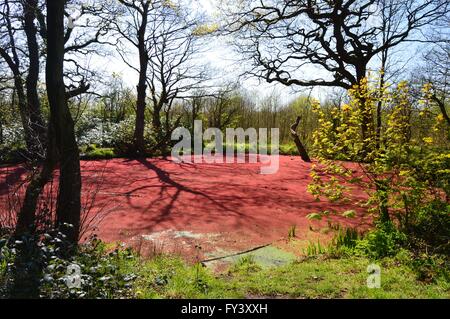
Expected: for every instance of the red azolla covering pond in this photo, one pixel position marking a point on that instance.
(232, 201)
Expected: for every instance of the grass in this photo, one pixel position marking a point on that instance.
(314, 277)
(92, 152)
(336, 278)
(121, 273)
(284, 149)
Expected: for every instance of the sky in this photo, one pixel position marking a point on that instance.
(220, 56)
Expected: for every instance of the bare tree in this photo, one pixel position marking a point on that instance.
(62, 147)
(390, 63)
(163, 36)
(30, 8)
(86, 35)
(439, 59)
(219, 107)
(62, 126)
(131, 25)
(16, 18)
(301, 149)
(340, 38)
(116, 100)
(173, 72)
(436, 70)
(23, 32)
(223, 108)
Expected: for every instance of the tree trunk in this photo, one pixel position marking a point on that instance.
(26, 222)
(139, 144)
(363, 106)
(382, 194)
(441, 105)
(379, 113)
(384, 57)
(37, 127)
(366, 113)
(23, 111)
(1, 131)
(156, 122)
(35, 124)
(69, 197)
(28, 118)
(301, 149)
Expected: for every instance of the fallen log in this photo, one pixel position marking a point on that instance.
(301, 149)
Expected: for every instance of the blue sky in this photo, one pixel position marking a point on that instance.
(221, 57)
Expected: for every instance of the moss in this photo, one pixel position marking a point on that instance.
(94, 153)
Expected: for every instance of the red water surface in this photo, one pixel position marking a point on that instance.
(141, 197)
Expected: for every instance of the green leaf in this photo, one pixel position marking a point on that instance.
(349, 214)
(314, 216)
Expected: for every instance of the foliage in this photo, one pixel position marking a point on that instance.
(404, 177)
(12, 135)
(292, 233)
(245, 265)
(116, 272)
(328, 213)
(288, 149)
(91, 152)
(430, 268)
(346, 239)
(386, 243)
(105, 138)
(430, 228)
(314, 249)
(105, 273)
(94, 130)
(383, 241)
(12, 144)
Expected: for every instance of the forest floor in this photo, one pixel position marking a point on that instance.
(200, 211)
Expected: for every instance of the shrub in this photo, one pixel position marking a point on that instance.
(384, 241)
(103, 274)
(37, 267)
(288, 149)
(12, 155)
(93, 130)
(94, 153)
(429, 268)
(429, 230)
(407, 179)
(13, 136)
(123, 134)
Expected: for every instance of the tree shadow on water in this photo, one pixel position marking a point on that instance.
(169, 183)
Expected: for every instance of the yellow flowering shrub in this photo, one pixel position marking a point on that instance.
(398, 171)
